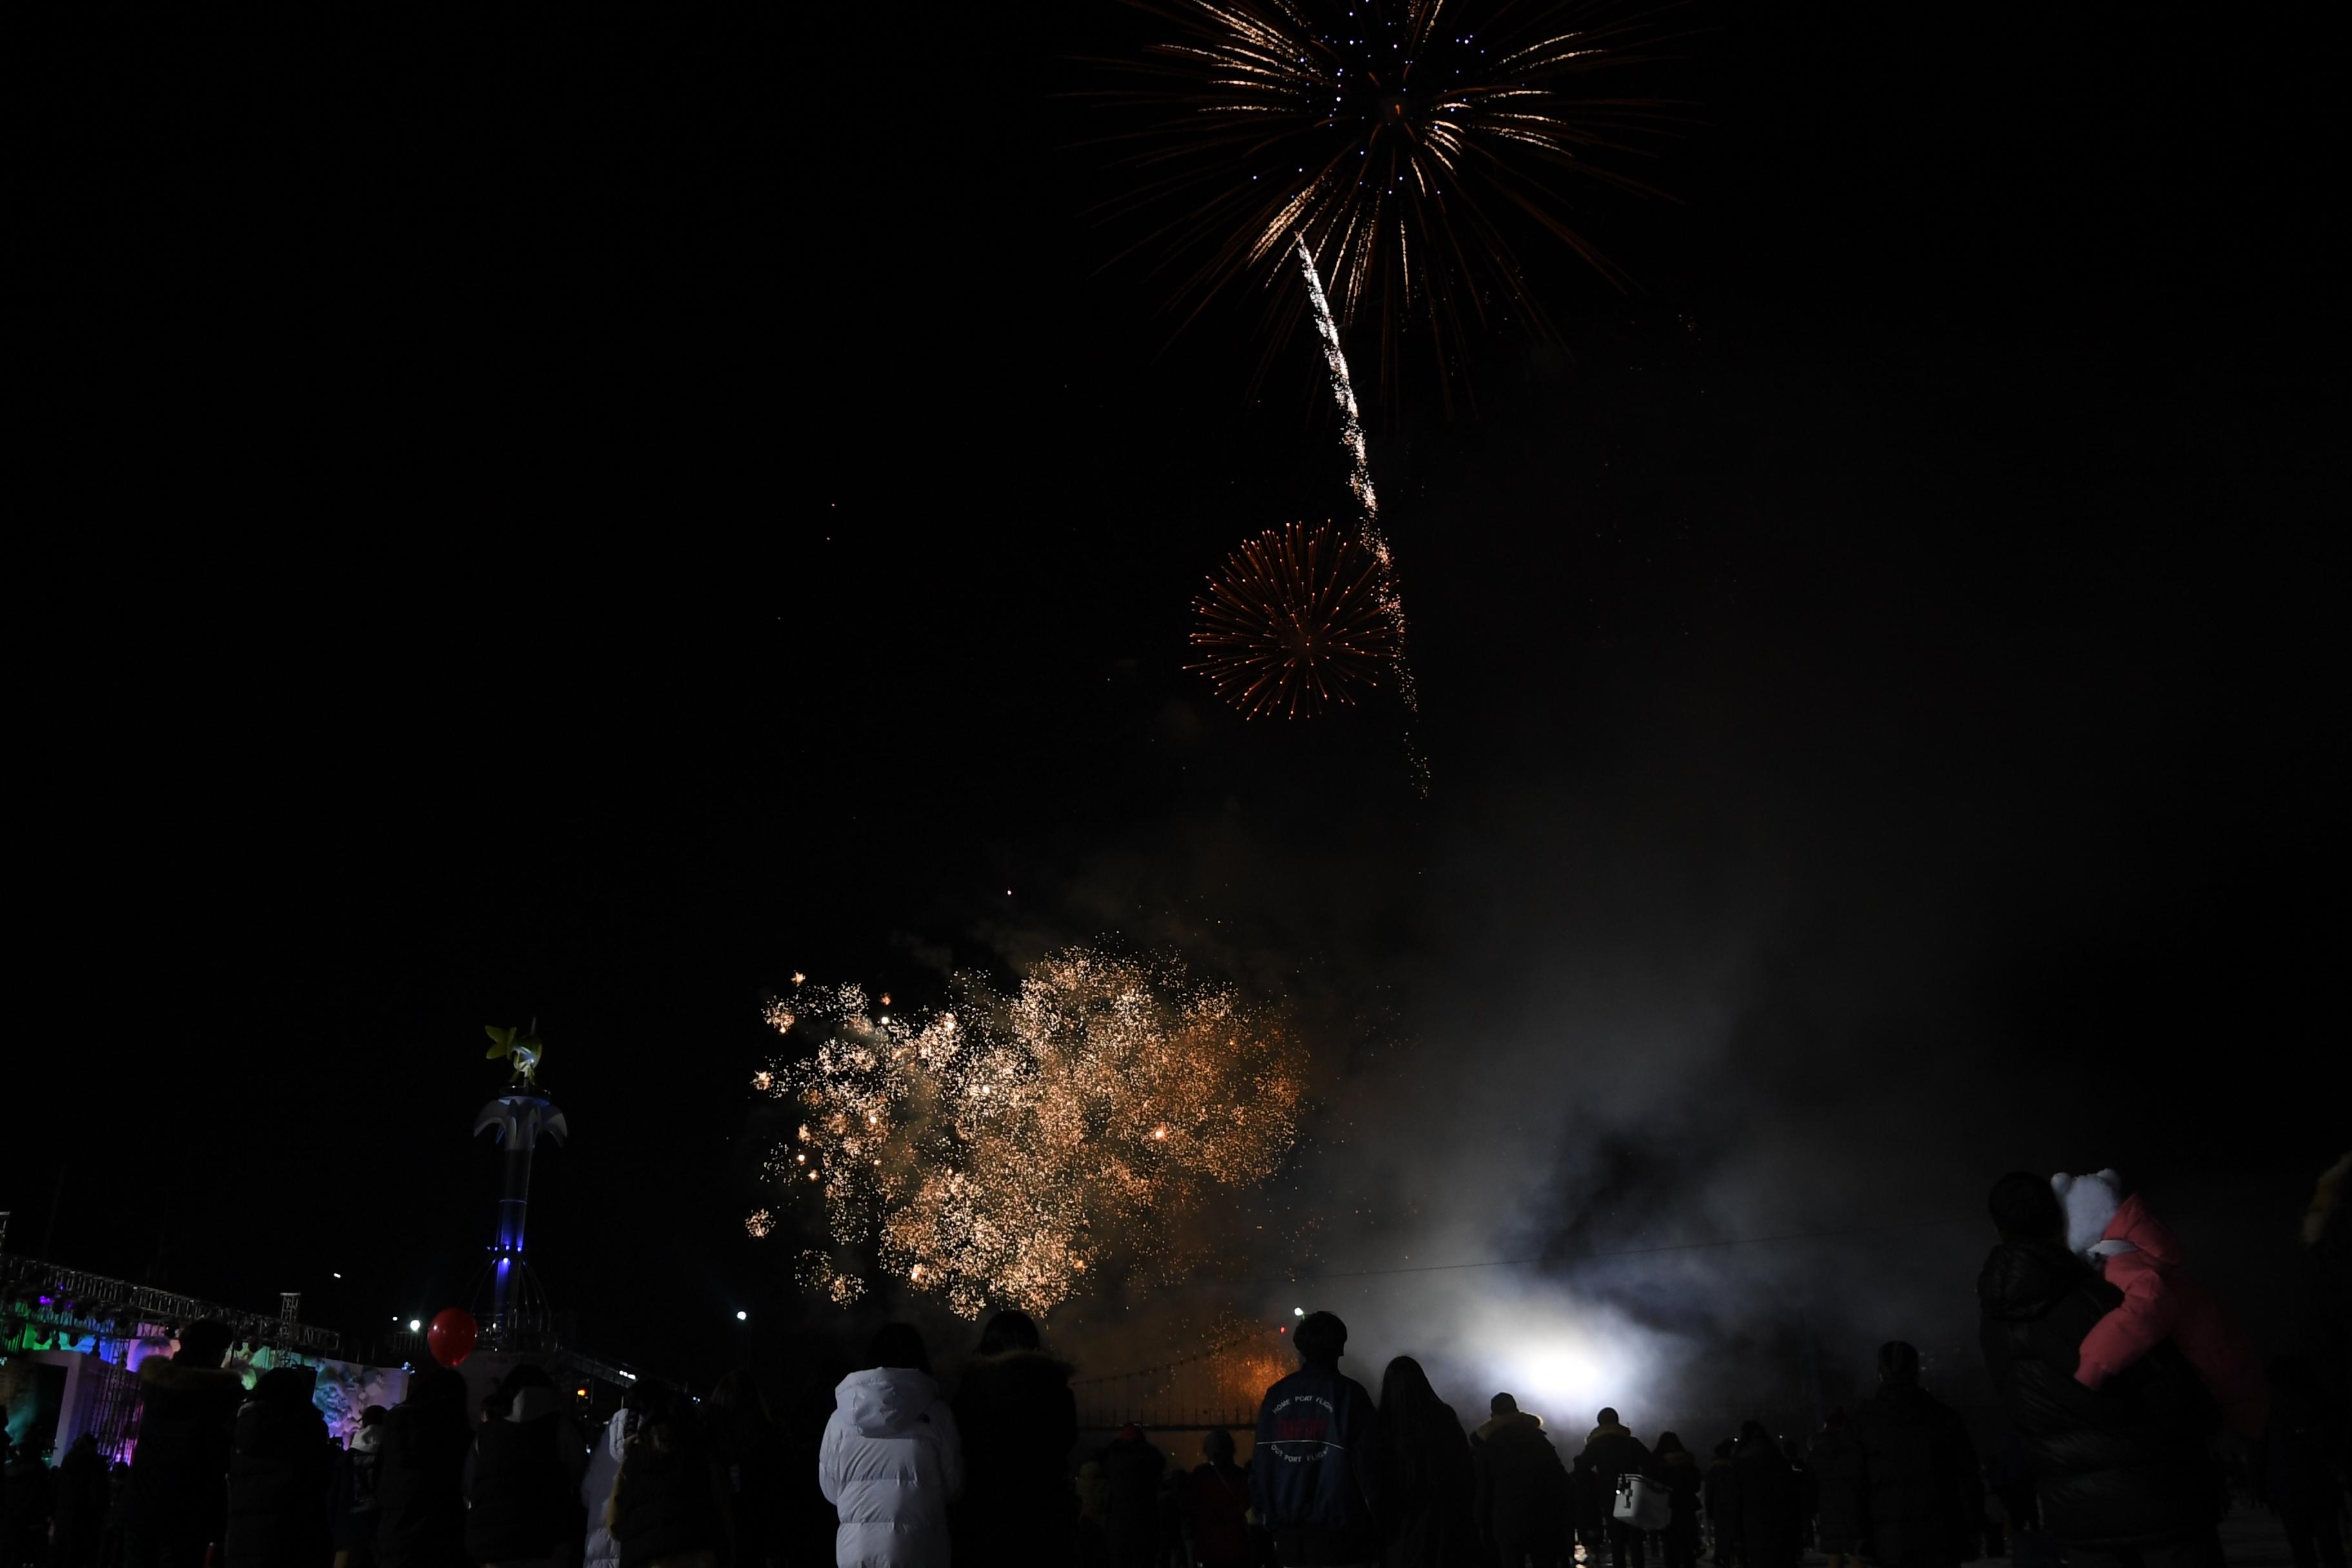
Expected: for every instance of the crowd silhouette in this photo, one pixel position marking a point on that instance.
(2131, 1407)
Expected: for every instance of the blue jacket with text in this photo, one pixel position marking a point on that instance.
(1311, 1476)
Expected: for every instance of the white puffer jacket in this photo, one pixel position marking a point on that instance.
(890, 1464)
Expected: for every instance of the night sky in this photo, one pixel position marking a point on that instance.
(581, 513)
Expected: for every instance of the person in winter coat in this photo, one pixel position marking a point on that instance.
(1839, 1486)
(892, 1459)
(522, 1482)
(2298, 1482)
(1616, 1454)
(2137, 1254)
(1313, 1477)
(1522, 1502)
(352, 1519)
(605, 1459)
(1428, 1484)
(78, 1505)
(1723, 1542)
(1019, 1422)
(421, 1475)
(1216, 1507)
(1922, 1495)
(282, 1476)
(749, 1450)
(1678, 1473)
(2120, 1472)
(669, 1507)
(24, 1504)
(179, 1474)
(1131, 1469)
(1763, 1502)
(1676, 1469)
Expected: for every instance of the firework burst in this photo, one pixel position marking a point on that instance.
(1401, 143)
(1008, 1148)
(1294, 624)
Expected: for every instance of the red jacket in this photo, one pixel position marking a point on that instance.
(2162, 1301)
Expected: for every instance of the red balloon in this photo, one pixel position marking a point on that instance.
(451, 1335)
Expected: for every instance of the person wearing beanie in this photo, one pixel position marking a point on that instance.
(1310, 1478)
(1924, 1503)
(2120, 1471)
(1521, 1503)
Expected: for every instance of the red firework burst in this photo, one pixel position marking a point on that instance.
(1294, 624)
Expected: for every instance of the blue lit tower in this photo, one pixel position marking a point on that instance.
(518, 1317)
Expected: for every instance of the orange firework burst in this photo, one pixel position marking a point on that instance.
(1295, 623)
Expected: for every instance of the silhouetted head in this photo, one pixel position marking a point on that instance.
(1217, 1445)
(1607, 1417)
(1503, 1405)
(204, 1342)
(1321, 1337)
(434, 1387)
(1131, 1433)
(739, 1390)
(1404, 1388)
(1898, 1365)
(900, 1345)
(1722, 1450)
(374, 1416)
(1011, 1330)
(1753, 1432)
(526, 1376)
(2023, 1208)
(1669, 1443)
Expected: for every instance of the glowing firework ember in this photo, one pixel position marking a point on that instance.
(1400, 141)
(1294, 624)
(1002, 1149)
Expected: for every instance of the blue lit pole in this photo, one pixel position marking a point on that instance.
(519, 1121)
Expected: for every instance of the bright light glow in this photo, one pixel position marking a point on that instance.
(415, 1324)
(1297, 1311)
(742, 1317)
(339, 1276)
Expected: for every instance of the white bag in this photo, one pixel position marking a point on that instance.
(1642, 1503)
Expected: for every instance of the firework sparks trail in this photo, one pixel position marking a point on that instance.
(1385, 592)
(1009, 1148)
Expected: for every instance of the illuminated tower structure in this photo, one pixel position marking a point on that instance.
(516, 1317)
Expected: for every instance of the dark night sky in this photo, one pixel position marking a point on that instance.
(583, 512)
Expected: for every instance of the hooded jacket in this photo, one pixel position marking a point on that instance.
(890, 1463)
(2141, 1257)
(179, 1476)
(1311, 1474)
(282, 1476)
(2117, 1468)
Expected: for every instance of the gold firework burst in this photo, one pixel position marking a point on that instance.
(1295, 624)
